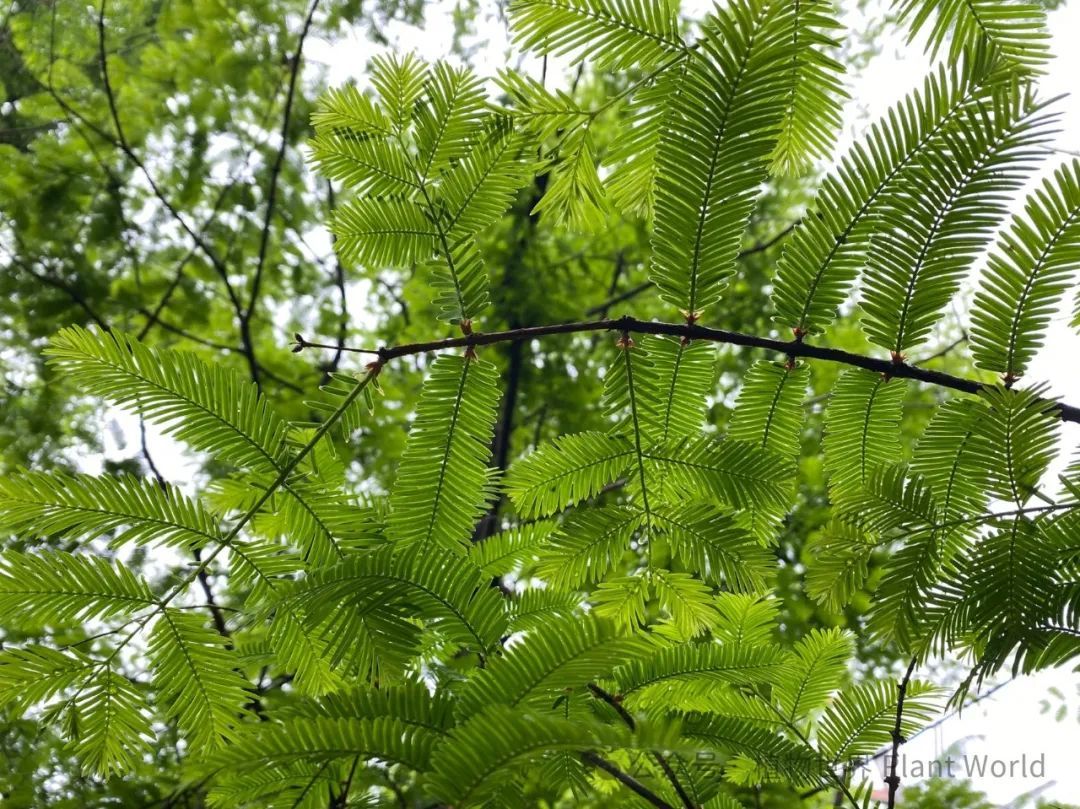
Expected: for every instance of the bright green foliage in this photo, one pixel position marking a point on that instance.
(502, 553)
(616, 35)
(589, 545)
(432, 168)
(830, 246)
(675, 382)
(1030, 269)
(943, 214)
(841, 555)
(820, 661)
(953, 457)
(202, 405)
(769, 409)
(442, 489)
(433, 585)
(1017, 29)
(535, 671)
(814, 95)
(712, 154)
(195, 675)
(632, 159)
(862, 428)
(569, 469)
(68, 588)
(706, 539)
(1020, 433)
(853, 726)
(109, 729)
(132, 509)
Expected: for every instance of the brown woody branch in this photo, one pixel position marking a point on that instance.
(893, 779)
(626, 780)
(788, 348)
(628, 720)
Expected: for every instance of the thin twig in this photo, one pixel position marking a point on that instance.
(626, 780)
(893, 780)
(944, 350)
(275, 169)
(628, 720)
(342, 799)
(121, 142)
(75, 296)
(343, 301)
(204, 578)
(789, 348)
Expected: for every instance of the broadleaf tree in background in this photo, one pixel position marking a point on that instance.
(618, 560)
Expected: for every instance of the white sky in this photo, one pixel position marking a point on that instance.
(1010, 724)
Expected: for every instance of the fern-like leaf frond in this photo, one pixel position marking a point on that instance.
(818, 665)
(55, 587)
(612, 35)
(813, 92)
(695, 666)
(197, 676)
(1017, 29)
(828, 248)
(861, 720)
(769, 410)
(862, 426)
(445, 589)
(945, 209)
(709, 541)
(567, 470)
(324, 739)
(676, 379)
(206, 406)
(442, 484)
(1028, 272)
(588, 546)
(126, 508)
(562, 656)
(481, 754)
(713, 152)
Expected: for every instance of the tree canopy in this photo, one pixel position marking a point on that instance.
(613, 452)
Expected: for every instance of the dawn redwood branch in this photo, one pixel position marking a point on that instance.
(275, 169)
(628, 720)
(626, 780)
(926, 729)
(897, 739)
(790, 348)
